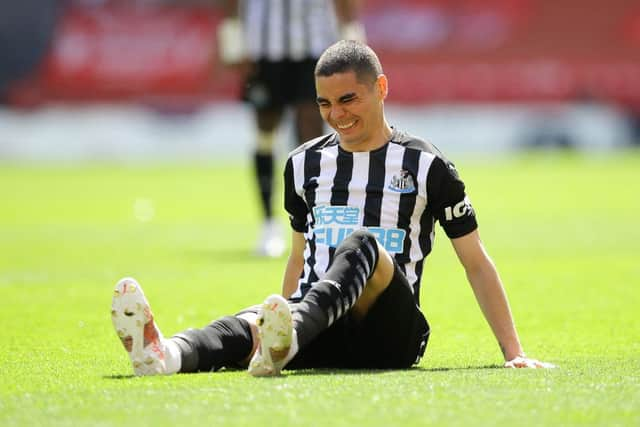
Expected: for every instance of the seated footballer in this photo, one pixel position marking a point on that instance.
(363, 202)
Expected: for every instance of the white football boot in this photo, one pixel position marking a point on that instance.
(278, 340)
(133, 322)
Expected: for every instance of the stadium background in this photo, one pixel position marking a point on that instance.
(140, 80)
(114, 124)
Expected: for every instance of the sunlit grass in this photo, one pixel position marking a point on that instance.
(562, 230)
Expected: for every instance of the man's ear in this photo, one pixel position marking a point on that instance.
(382, 86)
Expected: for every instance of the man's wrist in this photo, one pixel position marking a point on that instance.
(512, 353)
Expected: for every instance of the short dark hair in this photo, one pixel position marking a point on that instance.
(349, 55)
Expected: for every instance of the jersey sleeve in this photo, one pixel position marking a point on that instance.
(449, 203)
(293, 203)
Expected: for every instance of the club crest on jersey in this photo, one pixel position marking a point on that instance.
(402, 182)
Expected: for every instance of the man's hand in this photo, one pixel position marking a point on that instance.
(525, 362)
(231, 44)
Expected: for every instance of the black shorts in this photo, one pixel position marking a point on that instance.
(393, 335)
(279, 84)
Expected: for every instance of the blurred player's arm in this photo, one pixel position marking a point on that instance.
(490, 294)
(295, 264)
(348, 13)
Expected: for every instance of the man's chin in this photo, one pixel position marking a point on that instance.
(348, 137)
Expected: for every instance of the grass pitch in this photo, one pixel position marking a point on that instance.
(563, 230)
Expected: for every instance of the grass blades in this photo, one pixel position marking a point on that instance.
(562, 229)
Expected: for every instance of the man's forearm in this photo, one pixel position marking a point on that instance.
(493, 302)
(295, 265)
(291, 276)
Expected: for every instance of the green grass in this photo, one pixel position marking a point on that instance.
(563, 230)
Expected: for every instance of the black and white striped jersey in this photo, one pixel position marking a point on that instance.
(276, 30)
(397, 192)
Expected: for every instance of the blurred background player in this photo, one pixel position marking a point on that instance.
(275, 45)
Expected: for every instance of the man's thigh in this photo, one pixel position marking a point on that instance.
(394, 333)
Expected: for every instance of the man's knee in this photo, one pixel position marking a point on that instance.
(362, 244)
(360, 241)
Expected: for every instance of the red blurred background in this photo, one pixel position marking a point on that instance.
(432, 50)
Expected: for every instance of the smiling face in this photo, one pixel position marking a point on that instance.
(355, 109)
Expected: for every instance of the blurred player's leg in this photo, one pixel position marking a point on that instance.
(309, 122)
(133, 321)
(271, 241)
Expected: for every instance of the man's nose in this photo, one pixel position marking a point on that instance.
(337, 111)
